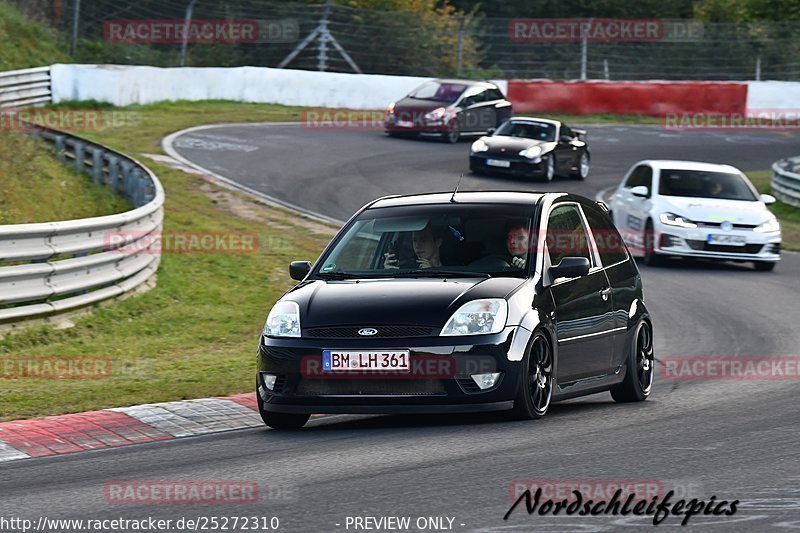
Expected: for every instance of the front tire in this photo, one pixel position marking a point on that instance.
(280, 420)
(536, 380)
(640, 368)
(549, 168)
(764, 266)
(651, 258)
(453, 134)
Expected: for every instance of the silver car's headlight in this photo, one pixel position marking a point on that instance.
(478, 317)
(770, 226)
(531, 153)
(283, 320)
(671, 219)
(479, 146)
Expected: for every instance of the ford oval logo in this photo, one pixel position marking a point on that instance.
(367, 332)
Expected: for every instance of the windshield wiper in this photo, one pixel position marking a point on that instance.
(336, 275)
(430, 273)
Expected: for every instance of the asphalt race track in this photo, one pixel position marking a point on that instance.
(736, 440)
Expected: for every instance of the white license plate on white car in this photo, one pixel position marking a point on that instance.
(726, 240)
(372, 360)
(498, 163)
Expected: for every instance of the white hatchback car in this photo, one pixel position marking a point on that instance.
(684, 208)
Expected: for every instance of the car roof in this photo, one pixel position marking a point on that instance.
(476, 83)
(536, 119)
(465, 197)
(669, 164)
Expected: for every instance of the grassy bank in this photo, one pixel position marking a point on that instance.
(34, 187)
(788, 215)
(26, 43)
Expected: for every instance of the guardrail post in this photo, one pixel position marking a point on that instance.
(61, 147)
(127, 179)
(79, 150)
(112, 178)
(97, 165)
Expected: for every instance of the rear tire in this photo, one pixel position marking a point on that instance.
(536, 380)
(764, 266)
(582, 172)
(640, 369)
(280, 420)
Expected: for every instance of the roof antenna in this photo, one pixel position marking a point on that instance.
(453, 198)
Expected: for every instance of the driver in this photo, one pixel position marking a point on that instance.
(426, 246)
(518, 237)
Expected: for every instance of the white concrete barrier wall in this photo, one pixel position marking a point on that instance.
(773, 96)
(126, 85)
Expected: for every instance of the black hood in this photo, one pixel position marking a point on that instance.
(513, 145)
(373, 302)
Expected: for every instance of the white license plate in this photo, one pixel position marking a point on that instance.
(404, 124)
(379, 360)
(498, 163)
(727, 240)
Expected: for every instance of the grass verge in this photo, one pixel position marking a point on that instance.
(789, 216)
(26, 43)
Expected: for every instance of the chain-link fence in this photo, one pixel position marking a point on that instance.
(337, 38)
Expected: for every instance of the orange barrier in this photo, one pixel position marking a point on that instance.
(634, 97)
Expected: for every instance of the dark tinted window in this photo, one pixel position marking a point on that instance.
(606, 237)
(642, 175)
(441, 92)
(701, 184)
(495, 94)
(566, 130)
(566, 234)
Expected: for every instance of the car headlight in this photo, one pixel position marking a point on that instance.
(478, 317)
(479, 146)
(671, 219)
(390, 109)
(770, 226)
(531, 153)
(283, 320)
(436, 114)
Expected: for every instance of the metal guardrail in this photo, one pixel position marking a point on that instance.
(786, 180)
(19, 88)
(52, 267)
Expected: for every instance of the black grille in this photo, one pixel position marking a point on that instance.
(704, 246)
(384, 332)
(376, 386)
(468, 385)
(719, 224)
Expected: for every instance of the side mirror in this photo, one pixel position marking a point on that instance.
(565, 139)
(298, 270)
(490, 132)
(641, 191)
(768, 199)
(570, 267)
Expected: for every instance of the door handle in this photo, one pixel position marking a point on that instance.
(605, 293)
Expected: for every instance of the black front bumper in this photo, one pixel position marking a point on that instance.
(518, 166)
(439, 381)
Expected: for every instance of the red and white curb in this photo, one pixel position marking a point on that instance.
(53, 435)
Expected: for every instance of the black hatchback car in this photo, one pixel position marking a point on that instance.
(459, 302)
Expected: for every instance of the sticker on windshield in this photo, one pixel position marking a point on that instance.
(329, 267)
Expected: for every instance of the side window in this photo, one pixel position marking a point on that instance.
(606, 237)
(566, 234)
(642, 175)
(495, 94)
(566, 130)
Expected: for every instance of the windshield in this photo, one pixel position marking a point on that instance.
(701, 184)
(440, 92)
(434, 241)
(540, 131)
